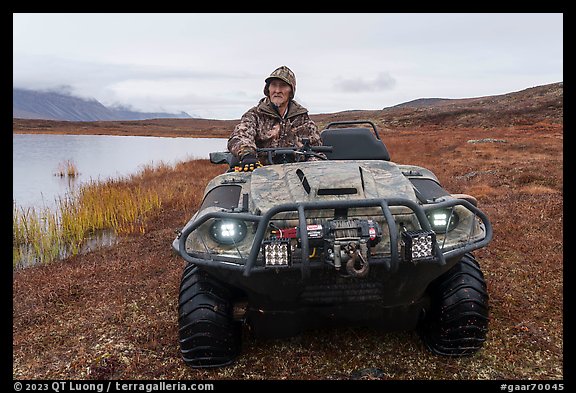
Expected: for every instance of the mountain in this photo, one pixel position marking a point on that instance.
(45, 105)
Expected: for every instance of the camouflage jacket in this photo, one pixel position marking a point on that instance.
(262, 126)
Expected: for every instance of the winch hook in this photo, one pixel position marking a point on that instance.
(357, 265)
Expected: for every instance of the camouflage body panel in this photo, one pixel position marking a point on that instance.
(262, 127)
(272, 185)
(275, 184)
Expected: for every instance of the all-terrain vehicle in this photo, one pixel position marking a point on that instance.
(352, 240)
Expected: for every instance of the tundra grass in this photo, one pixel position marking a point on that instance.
(67, 168)
(119, 205)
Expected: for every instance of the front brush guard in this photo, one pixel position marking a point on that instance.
(247, 265)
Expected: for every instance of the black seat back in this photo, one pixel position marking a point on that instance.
(354, 144)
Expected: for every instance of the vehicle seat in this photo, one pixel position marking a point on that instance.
(354, 144)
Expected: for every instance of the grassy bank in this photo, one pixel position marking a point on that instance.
(119, 206)
(43, 235)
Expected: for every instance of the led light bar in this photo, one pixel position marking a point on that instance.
(418, 246)
(277, 252)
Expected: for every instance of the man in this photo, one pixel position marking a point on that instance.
(277, 121)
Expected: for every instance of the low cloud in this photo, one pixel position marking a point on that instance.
(383, 81)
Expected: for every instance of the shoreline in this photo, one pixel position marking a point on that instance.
(186, 128)
(143, 134)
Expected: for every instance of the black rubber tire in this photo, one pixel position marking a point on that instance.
(457, 322)
(209, 336)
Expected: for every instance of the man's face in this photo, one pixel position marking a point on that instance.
(279, 92)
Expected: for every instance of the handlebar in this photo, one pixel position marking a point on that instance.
(284, 153)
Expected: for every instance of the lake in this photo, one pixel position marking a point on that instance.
(36, 159)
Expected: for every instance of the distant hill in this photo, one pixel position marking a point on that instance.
(32, 104)
(525, 107)
(421, 103)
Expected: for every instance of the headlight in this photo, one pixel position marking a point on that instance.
(228, 231)
(442, 220)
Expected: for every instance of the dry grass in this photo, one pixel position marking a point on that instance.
(67, 168)
(119, 206)
(113, 313)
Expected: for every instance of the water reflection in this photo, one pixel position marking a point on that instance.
(97, 157)
(26, 255)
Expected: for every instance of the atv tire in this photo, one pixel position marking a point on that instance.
(458, 319)
(209, 336)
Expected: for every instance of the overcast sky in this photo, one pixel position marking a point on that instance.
(214, 65)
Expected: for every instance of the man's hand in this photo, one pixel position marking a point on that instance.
(247, 164)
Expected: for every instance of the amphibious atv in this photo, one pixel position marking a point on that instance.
(352, 240)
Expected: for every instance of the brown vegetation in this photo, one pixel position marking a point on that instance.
(112, 313)
(196, 128)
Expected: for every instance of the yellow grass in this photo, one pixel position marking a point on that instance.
(67, 168)
(41, 236)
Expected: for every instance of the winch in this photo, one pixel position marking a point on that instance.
(346, 243)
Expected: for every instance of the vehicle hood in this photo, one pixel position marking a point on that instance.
(327, 180)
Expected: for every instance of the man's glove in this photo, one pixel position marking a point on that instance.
(248, 163)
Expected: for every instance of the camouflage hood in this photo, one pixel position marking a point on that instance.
(327, 180)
